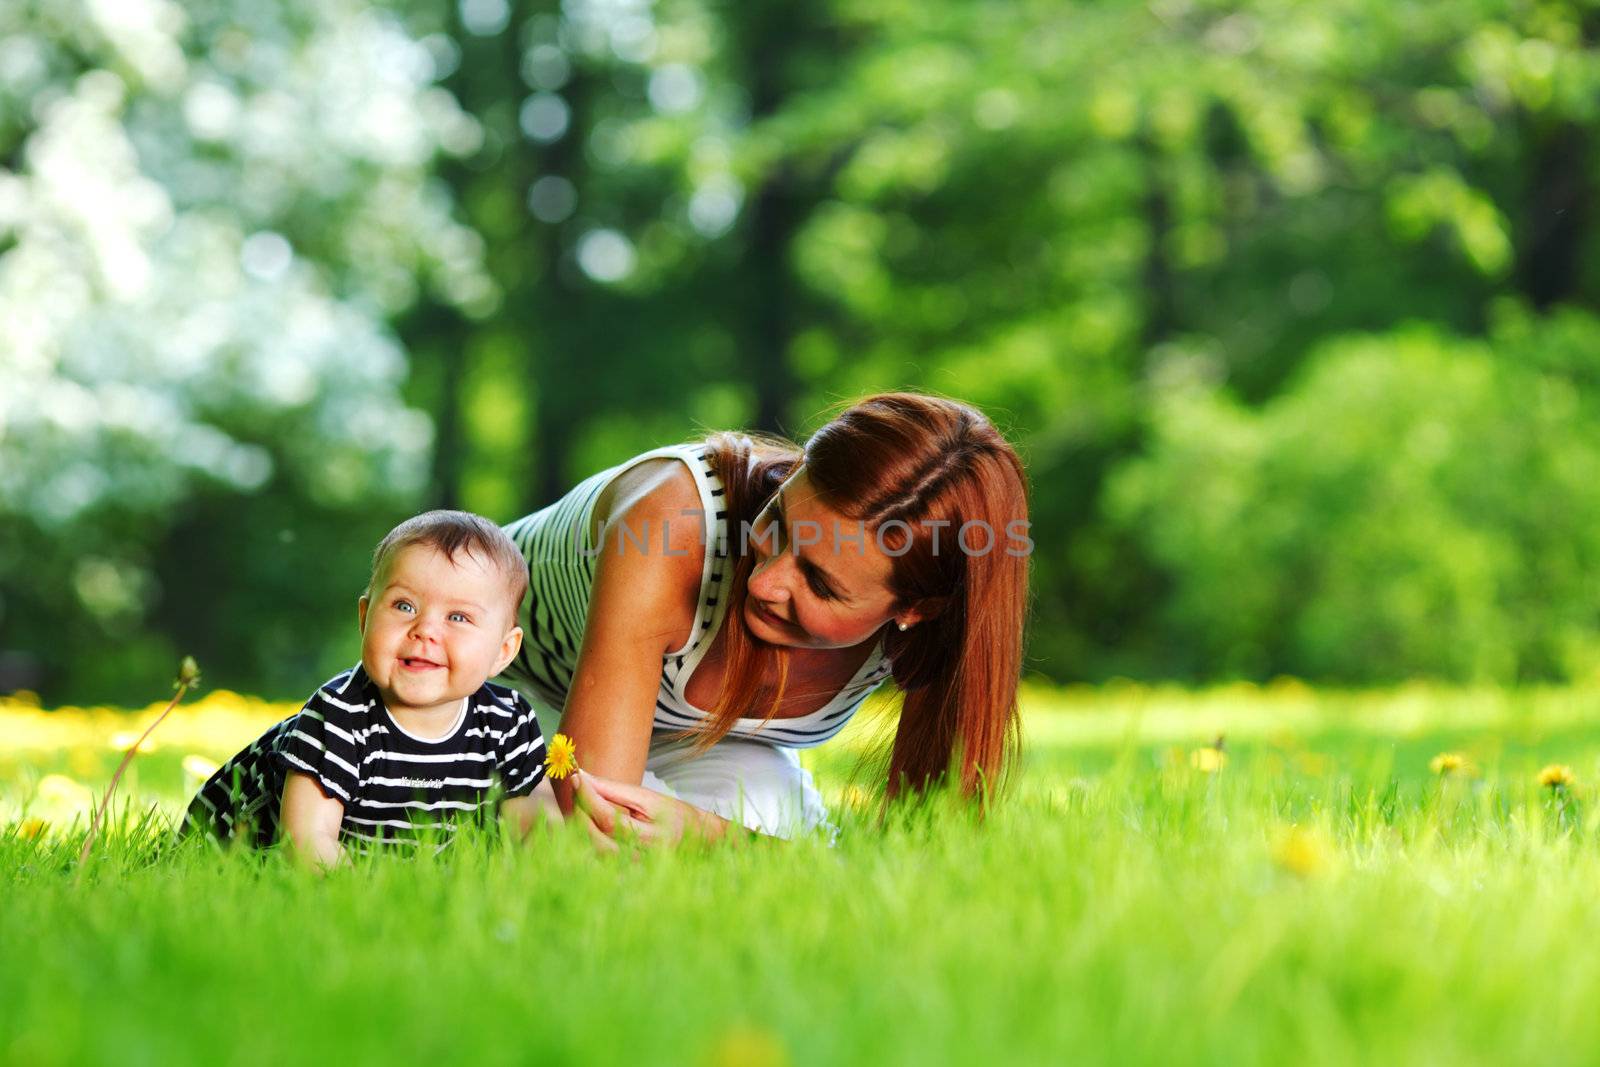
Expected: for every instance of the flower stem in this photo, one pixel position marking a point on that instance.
(99, 814)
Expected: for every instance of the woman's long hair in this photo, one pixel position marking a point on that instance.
(928, 467)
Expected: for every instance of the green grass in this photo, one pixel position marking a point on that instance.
(1321, 899)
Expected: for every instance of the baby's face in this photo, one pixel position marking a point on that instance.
(436, 629)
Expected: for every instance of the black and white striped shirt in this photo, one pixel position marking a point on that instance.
(396, 787)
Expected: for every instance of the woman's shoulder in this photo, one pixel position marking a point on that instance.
(654, 502)
(651, 485)
(650, 532)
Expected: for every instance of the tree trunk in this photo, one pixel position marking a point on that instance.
(768, 325)
(1555, 216)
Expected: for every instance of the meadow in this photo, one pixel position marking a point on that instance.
(1235, 875)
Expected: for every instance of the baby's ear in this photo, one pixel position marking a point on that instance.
(361, 613)
(509, 647)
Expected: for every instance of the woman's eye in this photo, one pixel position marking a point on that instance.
(769, 536)
(821, 590)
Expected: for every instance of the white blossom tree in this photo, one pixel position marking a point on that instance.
(209, 213)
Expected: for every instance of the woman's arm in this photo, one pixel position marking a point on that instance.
(309, 819)
(641, 607)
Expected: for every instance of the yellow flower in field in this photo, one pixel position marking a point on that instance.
(747, 1046)
(1556, 776)
(1313, 763)
(855, 798)
(59, 789)
(1301, 852)
(1208, 760)
(32, 828)
(562, 759)
(1447, 763)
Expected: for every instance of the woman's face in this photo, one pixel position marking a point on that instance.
(820, 580)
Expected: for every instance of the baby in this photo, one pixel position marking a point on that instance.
(413, 739)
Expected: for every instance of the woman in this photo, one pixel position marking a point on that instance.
(699, 612)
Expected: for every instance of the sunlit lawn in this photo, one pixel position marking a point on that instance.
(1312, 893)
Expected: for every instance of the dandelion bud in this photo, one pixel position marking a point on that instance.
(188, 674)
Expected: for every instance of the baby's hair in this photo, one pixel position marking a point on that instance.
(451, 532)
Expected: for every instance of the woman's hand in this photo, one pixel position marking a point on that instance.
(597, 815)
(648, 816)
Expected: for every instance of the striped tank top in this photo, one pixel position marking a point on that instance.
(561, 565)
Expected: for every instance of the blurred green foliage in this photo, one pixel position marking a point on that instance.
(1411, 501)
(1289, 308)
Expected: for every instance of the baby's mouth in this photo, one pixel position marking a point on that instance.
(417, 663)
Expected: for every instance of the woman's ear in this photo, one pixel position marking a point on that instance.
(906, 619)
(924, 610)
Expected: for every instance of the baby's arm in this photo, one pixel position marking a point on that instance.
(309, 819)
(524, 813)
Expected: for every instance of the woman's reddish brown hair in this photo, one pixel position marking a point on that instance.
(918, 459)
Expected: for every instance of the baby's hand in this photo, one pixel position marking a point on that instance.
(310, 820)
(526, 812)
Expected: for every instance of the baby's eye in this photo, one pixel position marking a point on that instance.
(403, 605)
(457, 616)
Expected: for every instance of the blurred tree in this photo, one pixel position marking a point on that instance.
(1053, 210)
(590, 354)
(687, 213)
(207, 214)
(1413, 504)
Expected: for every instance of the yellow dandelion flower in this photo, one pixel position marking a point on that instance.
(1447, 763)
(1556, 776)
(32, 828)
(1208, 760)
(562, 759)
(854, 796)
(1301, 852)
(59, 789)
(747, 1046)
(1315, 764)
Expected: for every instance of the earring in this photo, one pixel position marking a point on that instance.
(904, 626)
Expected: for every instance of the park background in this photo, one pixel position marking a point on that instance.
(1290, 309)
